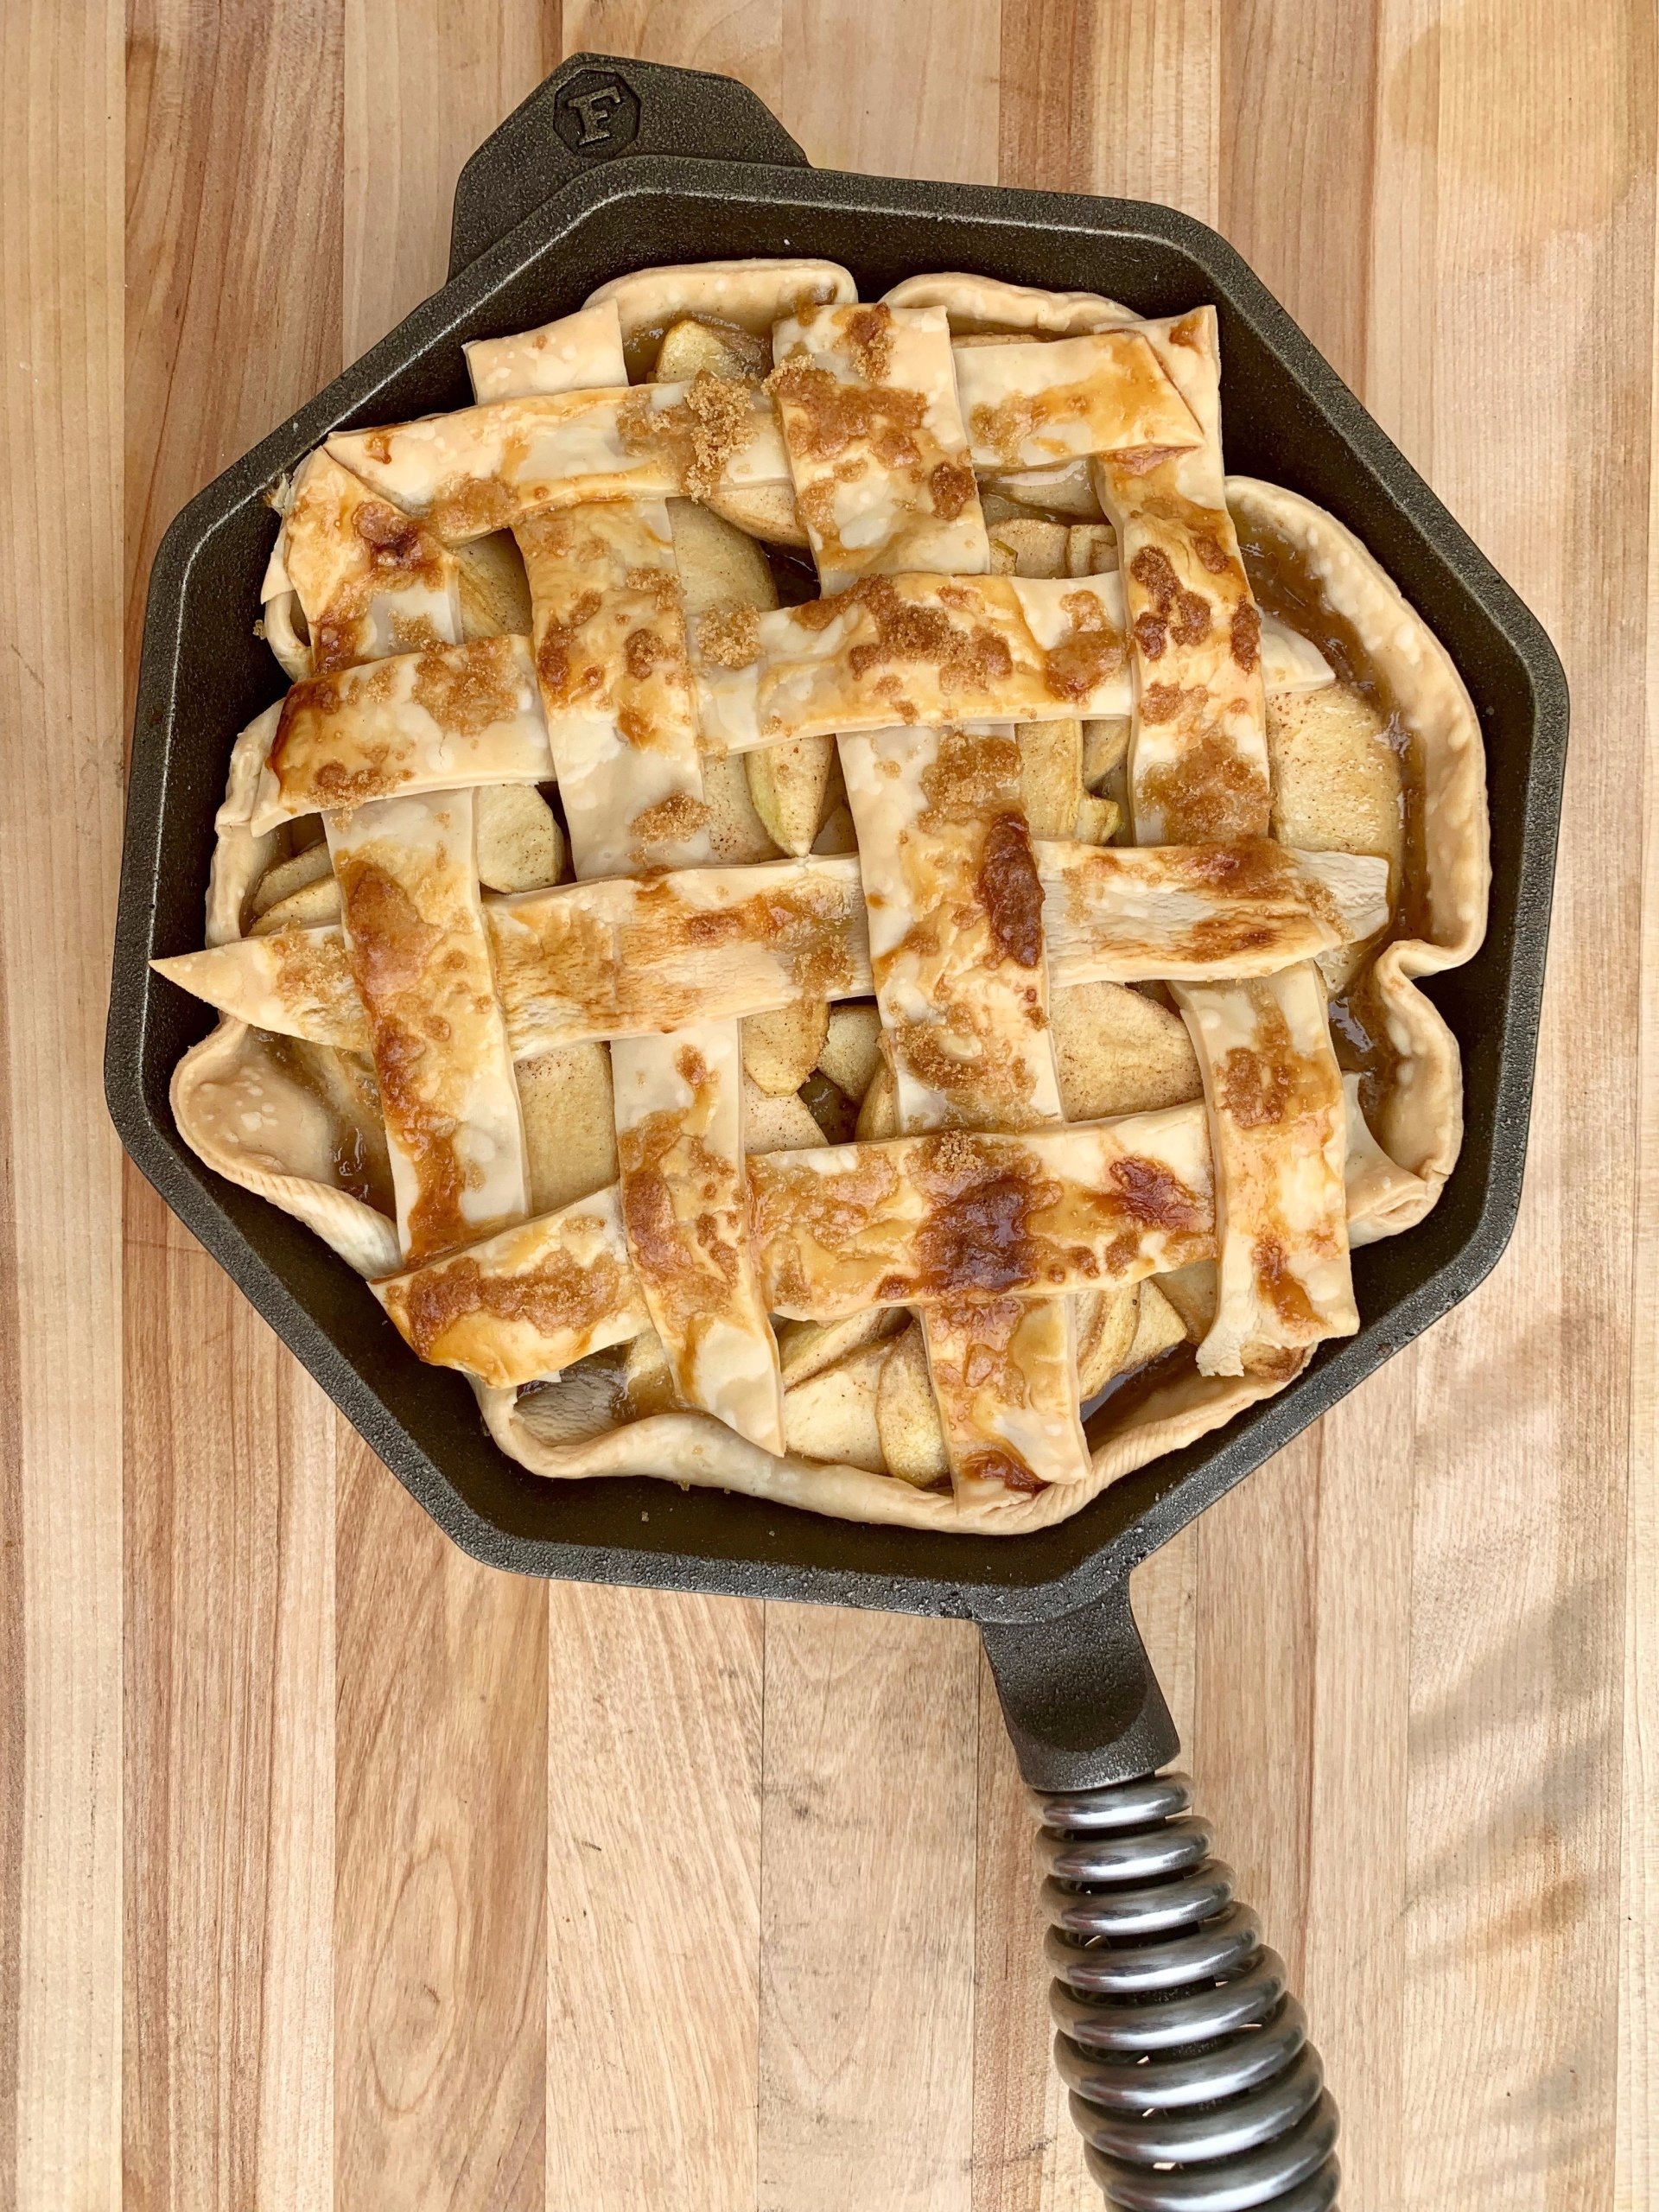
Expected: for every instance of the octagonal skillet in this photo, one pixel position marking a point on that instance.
(1193, 2080)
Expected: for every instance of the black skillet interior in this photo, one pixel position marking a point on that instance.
(205, 674)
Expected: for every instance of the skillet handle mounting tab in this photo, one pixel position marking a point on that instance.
(592, 108)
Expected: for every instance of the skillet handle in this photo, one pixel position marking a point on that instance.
(1192, 2081)
(594, 107)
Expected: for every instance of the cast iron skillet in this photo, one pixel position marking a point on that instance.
(614, 165)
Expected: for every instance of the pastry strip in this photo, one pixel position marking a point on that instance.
(370, 579)
(618, 957)
(611, 668)
(912, 649)
(867, 400)
(1197, 744)
(1198, 771)
(956, 922)
(838, 1226)
(490, 467)
(610, 659)
(445, 720)
(1279, 1128)
(1032, 406)
(420, 958)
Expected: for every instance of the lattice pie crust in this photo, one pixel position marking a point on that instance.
(913, 1040)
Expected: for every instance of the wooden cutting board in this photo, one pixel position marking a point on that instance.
(334, 1868)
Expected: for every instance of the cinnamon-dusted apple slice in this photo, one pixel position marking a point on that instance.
(570, 1116)
(830, 1414)
(806, 1348)
(852, 1047)
(520, 844)
(907, 1414)
(788, 782)
(781, 1049)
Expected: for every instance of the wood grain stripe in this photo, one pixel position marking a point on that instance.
(441, 1889)
(229, 1447)
(60, 1376)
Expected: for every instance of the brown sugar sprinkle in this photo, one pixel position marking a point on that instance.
(396, 542)
(661, 585)
(415, 633)
(645, 650)
(671, 821)
(1211, 795)
(466, 689)
(567, 675)
(722, 424)
(705, 431)
(974, 659)
(827, 417)
(559, 1296)
(335, 785)
(969, 776)
(1083, 661)
(951, 486)
(1011, 891)
(1246, 636)
(472, 506)
(311, 966)
(728, 635)
(868, 333)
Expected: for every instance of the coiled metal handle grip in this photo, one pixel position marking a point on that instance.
(1192, 2080)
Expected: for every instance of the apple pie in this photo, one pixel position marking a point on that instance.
(830, 909)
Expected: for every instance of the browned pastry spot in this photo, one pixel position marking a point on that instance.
(1284, 1291)
(1270, 1083)
(1011, 891)
(558, 1295)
